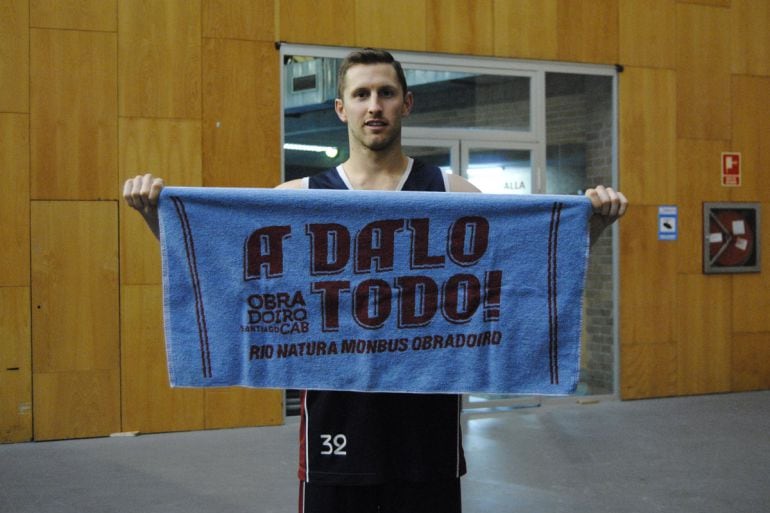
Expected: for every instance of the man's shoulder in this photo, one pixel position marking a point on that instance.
(422, 166)
(329, 179)
(433, 177)
(425, 177)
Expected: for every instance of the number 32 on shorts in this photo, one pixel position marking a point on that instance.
(334, 445)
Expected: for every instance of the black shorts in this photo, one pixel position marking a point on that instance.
(361, 439)
(397, 497)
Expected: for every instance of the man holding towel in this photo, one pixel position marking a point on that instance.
(378, 452)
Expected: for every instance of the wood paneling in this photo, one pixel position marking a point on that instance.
(751, 361)
(704, 39)
(14, 199)
(750, 308)
(703, 72)
(715, 3)
(751, 302)
(398, 24)
(170, 149)
(645, 318)
(73, 115)
(751, 136)
(648, 135)
(149, 404)
(750, 37)
(460, 26)
(703, 334)
(525, 29)
(75, 285)
(74, 14)
(647, 33)
(79, 404)
(75, 330)
(305, 21)
(160, 58)
(588, 31)
(241, 114)
(239, 19)
(15, 365)
(233, 407)
(14, 56)
(649, 370)
(689, 247)
(698, 171)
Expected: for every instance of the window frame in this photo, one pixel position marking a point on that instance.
(534, 70)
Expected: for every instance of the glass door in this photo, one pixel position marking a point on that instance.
(500, 168)
(495, 168)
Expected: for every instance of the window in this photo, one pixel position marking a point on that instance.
(510, 127)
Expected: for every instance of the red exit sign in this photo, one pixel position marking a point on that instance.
(731, 169)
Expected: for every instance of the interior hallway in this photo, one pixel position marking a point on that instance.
(699, 454)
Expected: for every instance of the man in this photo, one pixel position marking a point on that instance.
(378, 452)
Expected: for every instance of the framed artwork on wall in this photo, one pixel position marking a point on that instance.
(731, 238)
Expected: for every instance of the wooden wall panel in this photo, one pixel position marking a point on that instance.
(751, 136)
(703, 72)
(160, 58)
(75, 330)
(648, 33)
(703, 334)
(715, 3)
(15, 365)
(396, 25)
(234, 407)
(170, 149)
(751, 361)
(305, 21)
(750, 309)
(588, 31)
(74, 14)
(239, 19)
(689, 246)
(649, 370)
(751, 300)
(526, 29)
(647, 127)
(460, 26)
(14, 56)
(644, 317)
(241, 114)
(698, 179)
(750, 37)
(73, 102)
(149, 404)
(698, 170)
(78, 404)
(14, 199)
(74, 285)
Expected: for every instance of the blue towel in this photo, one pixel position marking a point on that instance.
(372, 290)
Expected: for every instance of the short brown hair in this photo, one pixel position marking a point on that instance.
(368, 56)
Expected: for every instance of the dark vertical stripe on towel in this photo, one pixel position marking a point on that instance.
(192, 265)
(553, 312)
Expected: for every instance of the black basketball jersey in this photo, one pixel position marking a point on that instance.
(354, 438)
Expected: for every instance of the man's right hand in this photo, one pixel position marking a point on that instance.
(141, 193)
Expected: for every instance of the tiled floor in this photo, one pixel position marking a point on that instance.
(707, 454)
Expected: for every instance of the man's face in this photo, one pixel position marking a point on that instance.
(373, 105)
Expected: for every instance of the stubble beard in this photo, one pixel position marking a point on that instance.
(379, 144)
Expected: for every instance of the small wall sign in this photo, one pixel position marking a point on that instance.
(731, 169)
(668, 222)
